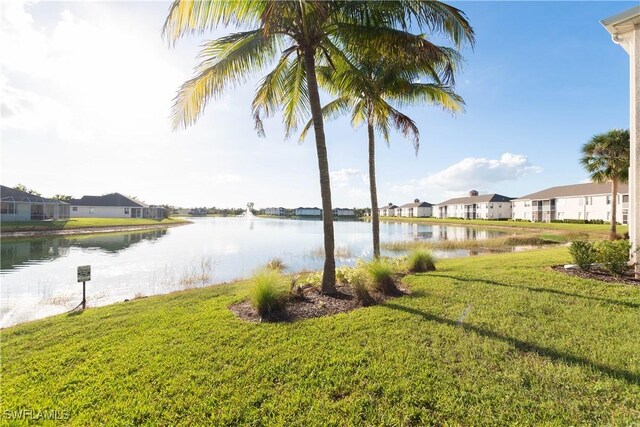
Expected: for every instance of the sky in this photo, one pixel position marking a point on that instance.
(86, 90)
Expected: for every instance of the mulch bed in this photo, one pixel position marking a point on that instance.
(599, 274)
(310, 304)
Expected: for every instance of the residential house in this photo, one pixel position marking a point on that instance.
(417, 209)
(591, 201)
(113, 205)
(307, 212)
(475, 206)
(389, 210)
(275, 211)
(16, 205)
(344, 212)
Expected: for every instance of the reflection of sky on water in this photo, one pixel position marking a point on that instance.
(39, 275)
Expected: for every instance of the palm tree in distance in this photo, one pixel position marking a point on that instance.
(295, 35)
(366, 88)
(606, 157)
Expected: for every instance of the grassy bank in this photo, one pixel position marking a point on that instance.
(576, 228)
(492, 340)
(78, 223)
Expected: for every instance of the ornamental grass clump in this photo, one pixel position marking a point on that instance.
(361, 292)
(276, 264)
(268, 291)
(381, 276)
(583, 253)
(614, 256)
(420, 261)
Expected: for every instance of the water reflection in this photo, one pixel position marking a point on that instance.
(39, 275)
(21, 252)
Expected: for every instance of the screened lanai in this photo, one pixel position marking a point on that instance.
(16, 205)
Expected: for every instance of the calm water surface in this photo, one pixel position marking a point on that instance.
(38, 276)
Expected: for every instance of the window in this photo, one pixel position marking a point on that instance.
(126, 211)
(625, 198)
(92, 211)
(608, 215)
(74, 208)
(8, 208)
(491, 206)
(608, 201)
(499, 206)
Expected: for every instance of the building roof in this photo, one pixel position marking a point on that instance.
(113, 199)
(309, 208)
(8, 194)
(575, 190)
(417, 205)
(482, 198)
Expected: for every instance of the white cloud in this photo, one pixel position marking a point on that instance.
(347, 177)
(480, 172)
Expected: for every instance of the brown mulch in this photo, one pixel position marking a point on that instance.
(599, 274)
(310, 304)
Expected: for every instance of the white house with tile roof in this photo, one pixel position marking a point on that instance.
(475, 206)
(113, 205)
(417, 209)
(591, 201)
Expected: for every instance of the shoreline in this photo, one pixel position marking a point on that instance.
(88, 230)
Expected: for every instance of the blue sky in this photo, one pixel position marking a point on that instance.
(86, 90)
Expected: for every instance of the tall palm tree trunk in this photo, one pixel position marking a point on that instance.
(329, 272)
(375, 218)
(614, 209)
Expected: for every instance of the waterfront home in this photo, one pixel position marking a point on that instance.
(344, 212)
(307, 212)
(417, 209)
(589, 201)
(113, 205)
(275, 211)
(16, 205)
(475, 206)
(389, 210)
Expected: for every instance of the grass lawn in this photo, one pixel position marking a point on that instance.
(75, 223)
(489, 340)
(578, 228)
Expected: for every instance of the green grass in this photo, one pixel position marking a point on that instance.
(492, 340)
(75, 223)
(502, 242)
(420, 261)
(580, 228)
(267, 292)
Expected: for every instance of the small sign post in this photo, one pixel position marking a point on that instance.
(84, 275)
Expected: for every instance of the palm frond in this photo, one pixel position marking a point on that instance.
(227, 61)
(333, 109)
(199, 16)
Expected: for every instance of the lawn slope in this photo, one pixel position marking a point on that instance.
(490, 340)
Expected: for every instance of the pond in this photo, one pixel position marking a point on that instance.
(39, 275)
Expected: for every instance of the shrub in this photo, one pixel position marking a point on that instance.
(267, 291)
(381, 275)
(276, 264)
(361, 292)
(614, 256)
(583, 253)
(420, 261)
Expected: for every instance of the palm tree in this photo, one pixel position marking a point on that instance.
(366, 87)
(606, 157)
(295, 35)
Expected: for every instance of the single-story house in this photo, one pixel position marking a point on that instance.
(475, 206)
(578, 201)
(417, 209)
(307, 212)
(344, 212)
(389, 210)
(16, 205)
(113, 205)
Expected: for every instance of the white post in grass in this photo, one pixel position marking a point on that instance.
(625, 31)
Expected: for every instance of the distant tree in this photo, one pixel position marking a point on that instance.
(62, 197)
(22, 187)
(606, 157)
